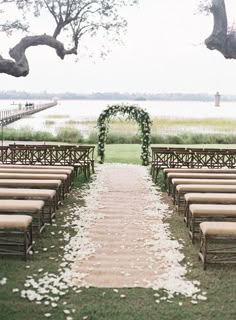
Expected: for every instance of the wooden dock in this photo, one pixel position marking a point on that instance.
(11, 115)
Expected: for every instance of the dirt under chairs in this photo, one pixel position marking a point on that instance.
(182, 189)
(34, 184)
(176, 182)
(46, 195)
(206, 198)
(192, 175)
(15, 234)
(34, 208)
(209, 212)
(217, 242)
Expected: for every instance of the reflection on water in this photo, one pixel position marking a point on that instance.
(81, 110)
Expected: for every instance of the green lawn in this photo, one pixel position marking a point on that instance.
(105, 304)
(123, 153)
(130, 153)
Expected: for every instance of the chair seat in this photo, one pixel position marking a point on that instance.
(28, 182)
(201, 175)
(35, 171)
(40, 176)
(34, 166)
(204, 181)
(199, 170)
(40, 193)
(15, 221)
(218, 228)
(20, 205)
(205, 188)
(210, 197)
(212, 209)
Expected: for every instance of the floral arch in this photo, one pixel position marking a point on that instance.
(132, 112)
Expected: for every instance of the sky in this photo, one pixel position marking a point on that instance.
(163, 51)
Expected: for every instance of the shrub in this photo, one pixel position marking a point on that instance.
(69, 134)
(92, 138)
(49, 122)
(123, 138)
(194, 138)
(26, 134)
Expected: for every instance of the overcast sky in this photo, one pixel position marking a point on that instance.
(163, 51)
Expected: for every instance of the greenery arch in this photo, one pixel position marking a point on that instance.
(133, 112)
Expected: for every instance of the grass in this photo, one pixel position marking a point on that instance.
(105, 304)
(164, 130)
(206, 122)
(49, 122)
(69, 134)
(161, 123)
(130, 153)
(72, 122)
(57, 116)
(123, 153)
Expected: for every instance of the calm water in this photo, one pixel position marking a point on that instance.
(78, 110)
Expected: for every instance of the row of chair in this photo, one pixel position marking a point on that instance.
(177, 157)
(207, 200)
(80, 157)
(29, 197)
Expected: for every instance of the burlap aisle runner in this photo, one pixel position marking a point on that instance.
(124, 242)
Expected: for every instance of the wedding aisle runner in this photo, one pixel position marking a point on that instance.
(127, 239)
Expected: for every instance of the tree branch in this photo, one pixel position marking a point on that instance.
(220, 39)
(20, 67)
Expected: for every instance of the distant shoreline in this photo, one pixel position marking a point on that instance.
(136, 97)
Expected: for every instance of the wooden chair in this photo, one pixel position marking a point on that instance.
(209, 212)
(15, 235)
(217, 242)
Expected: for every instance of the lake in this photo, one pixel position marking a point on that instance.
(81, 110)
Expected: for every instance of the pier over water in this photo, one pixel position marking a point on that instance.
(10, 115)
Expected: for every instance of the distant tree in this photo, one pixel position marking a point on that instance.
(73, 19)
(222, 38)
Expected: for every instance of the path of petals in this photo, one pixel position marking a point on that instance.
(120, 241)
(127, 243)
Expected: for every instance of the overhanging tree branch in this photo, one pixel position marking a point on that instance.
(20, 67)
(221, 39)
(73, 19)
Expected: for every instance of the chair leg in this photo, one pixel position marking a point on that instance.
(205, 253)
(25, 245)
(193, 229)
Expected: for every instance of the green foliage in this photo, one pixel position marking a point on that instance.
(194, 138)
(72, 122)
(69, 134)
(92, 137)
(123, 153)
(123, 138)
(49, 122)
(133, 113)
(57, 116)
(26, 134)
